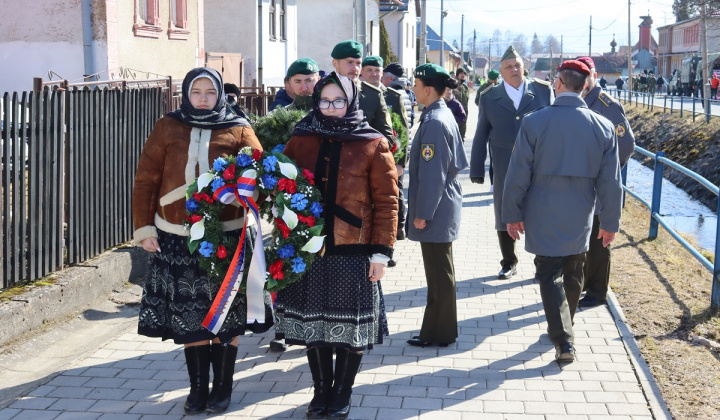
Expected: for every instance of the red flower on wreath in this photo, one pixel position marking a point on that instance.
(202, 197)
(283, 227)
(229, 172)
(308, 220)
(195, 218)
(221, 252)
(276, 270)
(257, 155)
(287, 185)
(309, 175)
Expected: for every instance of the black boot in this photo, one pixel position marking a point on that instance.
(320, 361)
(198, 366)
(345, 372)
(223, 363)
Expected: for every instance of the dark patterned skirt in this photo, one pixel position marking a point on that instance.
(335, 304)
(178, 294)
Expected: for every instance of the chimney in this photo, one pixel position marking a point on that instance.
(645, 28)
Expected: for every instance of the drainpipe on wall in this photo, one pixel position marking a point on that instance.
(87, 28)
(261, 33)
(401, 33)
(362, 24)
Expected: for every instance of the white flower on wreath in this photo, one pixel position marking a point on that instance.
(274, 210)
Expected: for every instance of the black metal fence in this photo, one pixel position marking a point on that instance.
(68, 163)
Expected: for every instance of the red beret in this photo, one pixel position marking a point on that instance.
(588, 62)
(575, 65)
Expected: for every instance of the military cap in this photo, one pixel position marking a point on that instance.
(493, 74)
(575, 65)
(429, 70)
(372, 60)
(345, 49)
(510, 53)
(394, 68)
(302, 66)
(460, 70)
(587, 61)
(452, 72)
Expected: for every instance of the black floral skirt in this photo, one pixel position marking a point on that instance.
(335, 304)
(178, 294)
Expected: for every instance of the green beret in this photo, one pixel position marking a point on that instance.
(345, 49)
(493, 75)
(510, 53)
(460, 70)
(429, 70)
(302, 66)
(372, 60)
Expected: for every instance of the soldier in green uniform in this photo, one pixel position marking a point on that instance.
(651, 83)
(491, 81)
(347, 60)
(462, 94)
(303, 74)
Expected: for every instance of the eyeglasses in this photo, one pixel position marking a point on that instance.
(337, 103)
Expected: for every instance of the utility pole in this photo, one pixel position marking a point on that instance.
(474, 54)
(629, 53)
(489, 53)
(561, 49)
(590, 39)
(705, 67)
(423, 33)
(462, 41)
(442, 33)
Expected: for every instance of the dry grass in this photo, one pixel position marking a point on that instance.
(665, 294)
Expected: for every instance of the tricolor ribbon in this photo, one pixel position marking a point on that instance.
(215, 317)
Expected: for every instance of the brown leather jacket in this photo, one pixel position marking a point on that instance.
(358, 182)
(173, 156)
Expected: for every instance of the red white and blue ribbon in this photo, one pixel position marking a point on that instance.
(255, 293)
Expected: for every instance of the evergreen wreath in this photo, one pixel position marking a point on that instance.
(401, 134)
(275, 128)
(293, 208)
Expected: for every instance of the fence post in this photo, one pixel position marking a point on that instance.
(672, 102)
(657, 191)
(715, 296)
(707, 110)
(681, 106)
(694, 101)
(623, 178)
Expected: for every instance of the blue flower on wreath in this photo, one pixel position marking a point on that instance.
(279, 148)
(191, 205)
(286, 251)
(217, 183)
(299, 201)
(298, 265)
(269, 181)
(206, 249)
(316, 209)
(244, 160)
(220, 164)
(269, 163)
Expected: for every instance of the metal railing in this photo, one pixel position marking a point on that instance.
(708, 108)
(656, 219)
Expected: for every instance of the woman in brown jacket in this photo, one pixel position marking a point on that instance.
(338, 304)
(177, 294)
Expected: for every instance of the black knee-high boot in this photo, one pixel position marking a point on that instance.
(320, 360)
(346, 367)
(198, 366)
(223, 363)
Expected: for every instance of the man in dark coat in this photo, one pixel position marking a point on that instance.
(596, 273)
(501, 110)
(283, 97)
(462, 94)
(565, 156)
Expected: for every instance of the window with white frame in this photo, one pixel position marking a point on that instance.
(272, 27)
(282, 11)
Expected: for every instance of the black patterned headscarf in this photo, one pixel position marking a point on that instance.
(221, 116)
(348, 127)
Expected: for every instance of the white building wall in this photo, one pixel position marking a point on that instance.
(401, 30)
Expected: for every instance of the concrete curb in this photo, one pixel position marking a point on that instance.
(76, 289)
(656, 403)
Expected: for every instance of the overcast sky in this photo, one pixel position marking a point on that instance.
(569, 18)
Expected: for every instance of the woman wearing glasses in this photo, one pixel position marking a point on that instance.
(338, 305)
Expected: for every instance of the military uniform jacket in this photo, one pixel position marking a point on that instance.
(599, 101)
(565, 156)
(434, 195)
(395, 103)
(462, 93)
(498, 125)
(372, 103)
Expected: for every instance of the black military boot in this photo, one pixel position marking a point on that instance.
(342, 388)
(223, 363)
(320, 360)
(197, 359)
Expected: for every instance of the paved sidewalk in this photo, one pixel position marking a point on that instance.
(501, 367)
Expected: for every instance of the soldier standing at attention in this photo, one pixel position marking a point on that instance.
(500, 112)
(551, 195)
(596, 273)
(303, 74)
(651, 84)
(462, 94)
(491, 81)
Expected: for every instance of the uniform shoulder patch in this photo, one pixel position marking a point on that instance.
(542, 82)
(620, 130)
(393, 90)
(486, 90)
(364, 83)
(606, 99)
(428, 151)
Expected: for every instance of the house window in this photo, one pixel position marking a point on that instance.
(271, 24)
(146, 22)
(178, 22)
(282, 10)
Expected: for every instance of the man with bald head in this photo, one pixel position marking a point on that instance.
(500, 111)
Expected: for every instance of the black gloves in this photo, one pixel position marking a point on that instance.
(477, 179)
